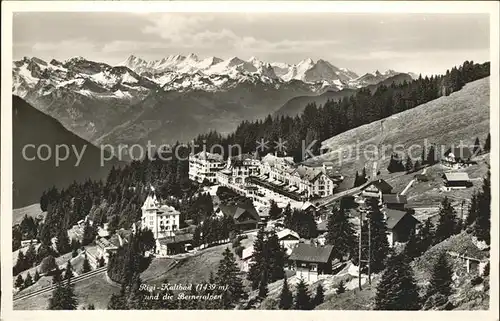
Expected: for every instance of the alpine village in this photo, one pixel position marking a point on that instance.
(267, 228)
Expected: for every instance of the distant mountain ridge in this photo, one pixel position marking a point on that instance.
(32, 177)
(308, 71)
(171, 99)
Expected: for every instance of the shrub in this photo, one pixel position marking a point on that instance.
(48, 264)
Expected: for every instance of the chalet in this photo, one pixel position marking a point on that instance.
(394, 201)
(247, 258)
(106, 247)
(244, 214)
(456, 180)
(376, 189)
(288, 239)
(399, 225)
(457, 157)
(171, 245)
(310, 261)
(309, 208)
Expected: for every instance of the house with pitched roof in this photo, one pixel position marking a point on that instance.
(171, 245)
(399, 225)
(456, 180)
(244, 215)
(312, 261)
(394, 201)
(288, 239)
(161, 219)
(376, 189)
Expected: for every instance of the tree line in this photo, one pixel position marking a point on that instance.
(317, 123)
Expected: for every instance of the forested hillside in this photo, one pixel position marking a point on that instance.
(318, 123)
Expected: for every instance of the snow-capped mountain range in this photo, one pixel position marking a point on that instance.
(202, 73)
(104, 103)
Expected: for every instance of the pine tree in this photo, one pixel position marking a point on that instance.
(431, 156)
(74, 253)
(447, 221)
(482, 227)
(320, 295)
(477, 147)
(423, 157)
(440, 282)
(341, 288)
(363, 179)
(340, 234)
(260, 259)
(63, 297)
(487, 144)
(89, 233)
(417, 165)
(409, 164)
(37, 276)
(393, 166)
(302, 298)
(263, 290)
(356, 180)
(274, 210)
(276, 254)
(413, 246)
(426, 236)
(286, 296)
(62, 243)
(379, 242)
(473, 210)
(30, 256)
(397, 289)
(228, 274)
(19, 281)
(56, 275)
(86, 265)
(69, 270)
(28, 281)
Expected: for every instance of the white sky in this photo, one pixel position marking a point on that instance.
(421, 43)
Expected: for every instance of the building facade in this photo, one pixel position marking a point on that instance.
(204, 166)
(311, 261)
(162, 220)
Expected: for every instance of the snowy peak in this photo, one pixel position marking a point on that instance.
(306, 70)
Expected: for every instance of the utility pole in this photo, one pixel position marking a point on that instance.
(369, 248)
(359, 246)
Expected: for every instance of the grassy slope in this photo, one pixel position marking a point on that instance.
(95, 290)
(463, 115)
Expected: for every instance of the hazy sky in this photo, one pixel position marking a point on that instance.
(422, 43)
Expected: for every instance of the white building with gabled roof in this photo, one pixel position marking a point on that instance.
(163, 220)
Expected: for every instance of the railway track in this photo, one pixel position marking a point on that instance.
(76, 279)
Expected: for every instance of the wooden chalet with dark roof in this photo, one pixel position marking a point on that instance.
(310, 261)
(399, 225)
(171, 245)
(244, 214)
(456, 180)
(376, 189)
(394, 201)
